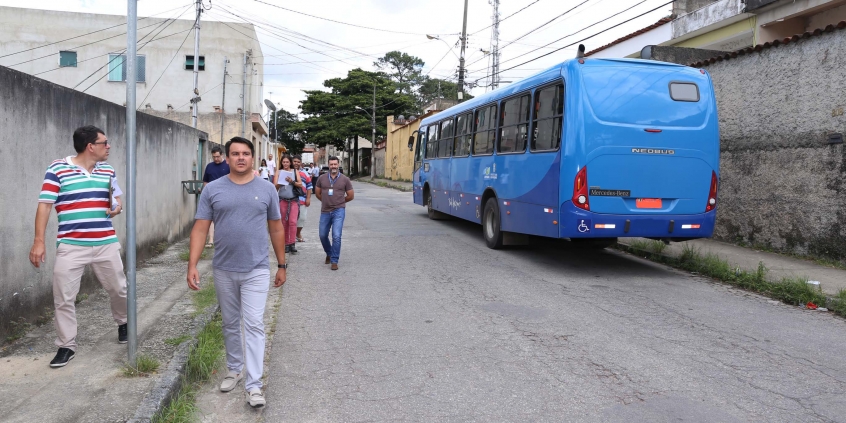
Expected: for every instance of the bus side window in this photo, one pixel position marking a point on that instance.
(445, 142)
(463, 137)
(421, 145)
(432, 142)
(485, 127)
(514, 124)
(549, 110)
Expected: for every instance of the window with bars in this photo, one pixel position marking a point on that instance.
(117, 68)
(549, 110)
(189, 63)
(514, 122)
(67, 59)
(485, 126)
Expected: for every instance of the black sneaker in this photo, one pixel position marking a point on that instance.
(122, 334)
(287, 248)
(293, 248)
(62, 357)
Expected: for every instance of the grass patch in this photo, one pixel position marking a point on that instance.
(46, 317)
(793, 291)
(80, 298)
(144, 366)
(203, 361)
(160, 247)
(19, 329)
(185, 254)
(204, 298)
(178, 340)
(650, 246)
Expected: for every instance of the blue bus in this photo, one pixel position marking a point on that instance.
(589, 150)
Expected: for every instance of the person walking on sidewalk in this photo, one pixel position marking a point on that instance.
(289, 203)
(245, 210)
(271, 167)
(305, 201)
(80, 188)
(263, 171)
(215, 170)
(334, 190)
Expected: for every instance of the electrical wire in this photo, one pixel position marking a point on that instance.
(579, 41)
(150, 91)
(503, 19)
(92, 32)
(344, 23)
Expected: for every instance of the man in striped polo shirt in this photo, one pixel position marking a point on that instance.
(80, 187)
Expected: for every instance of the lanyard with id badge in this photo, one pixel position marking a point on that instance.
(332, 184)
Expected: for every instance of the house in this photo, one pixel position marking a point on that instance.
(726, 25)
(399, 159)
(85, 51)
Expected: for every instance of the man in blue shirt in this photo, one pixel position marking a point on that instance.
(218, 168)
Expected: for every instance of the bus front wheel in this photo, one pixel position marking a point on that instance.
(491, 225)
(430, 209)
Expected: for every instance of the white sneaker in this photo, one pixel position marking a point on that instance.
(256, 398)
(231, 381)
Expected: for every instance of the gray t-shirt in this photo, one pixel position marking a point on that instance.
(240, 214)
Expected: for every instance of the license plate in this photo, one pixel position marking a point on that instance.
(648, 203)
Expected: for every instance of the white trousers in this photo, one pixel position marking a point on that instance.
(242, 297)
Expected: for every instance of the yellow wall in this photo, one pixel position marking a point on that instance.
(399, 161)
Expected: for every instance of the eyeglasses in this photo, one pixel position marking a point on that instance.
(107, 143)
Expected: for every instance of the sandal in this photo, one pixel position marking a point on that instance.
(210, 245)
(300, 239)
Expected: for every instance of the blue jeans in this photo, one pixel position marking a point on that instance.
(333, 220)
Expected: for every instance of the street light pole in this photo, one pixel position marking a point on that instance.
(373, 138)
(131, 69)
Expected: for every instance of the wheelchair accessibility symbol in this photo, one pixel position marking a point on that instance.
(584, 225)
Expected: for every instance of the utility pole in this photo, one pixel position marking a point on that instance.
(461, 59)
(244, 97)
(495, 46)
(131, 69)
(223, 100)
(373, 138)
(196, 98)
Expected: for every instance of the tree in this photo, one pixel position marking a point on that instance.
(404, 69)
(332, 117)
(434, 88)
(285, 124)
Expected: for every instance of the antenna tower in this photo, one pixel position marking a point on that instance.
(494, 56)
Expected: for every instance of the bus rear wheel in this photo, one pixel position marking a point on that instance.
(491, 228)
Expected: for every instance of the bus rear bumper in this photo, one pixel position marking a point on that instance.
(578, 223)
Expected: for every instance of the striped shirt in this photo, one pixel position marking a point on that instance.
(81, 200)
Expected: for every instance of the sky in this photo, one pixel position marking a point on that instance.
(300, 51)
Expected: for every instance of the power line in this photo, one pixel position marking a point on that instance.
(189, 101)
(343, 23)
(150, 91)
(524, 8)
(439, 61)
(92, 32)
(583, 39)
(124, 51)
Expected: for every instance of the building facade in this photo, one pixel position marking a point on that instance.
(85, 52)
(399, 159)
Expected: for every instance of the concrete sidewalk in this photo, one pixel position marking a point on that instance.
(399, 185)
(92, 387)
(779, 266)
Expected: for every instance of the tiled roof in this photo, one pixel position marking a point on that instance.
(660, 22)
(775, 43)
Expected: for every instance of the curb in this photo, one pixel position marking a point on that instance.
(387, 185)
(170, 381)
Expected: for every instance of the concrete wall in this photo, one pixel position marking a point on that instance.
(399, 161)
(379, 162)
(782, 185)
(39, 119)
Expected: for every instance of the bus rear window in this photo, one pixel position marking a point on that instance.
(684, 91)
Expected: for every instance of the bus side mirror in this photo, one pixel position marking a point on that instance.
(411, 143)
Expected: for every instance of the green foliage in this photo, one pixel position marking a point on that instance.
(405, 70)
(434, 88)
(332, 117)
(203, 361)
(144, 366)
(205, 297)
(285, 127)
(19, 329)
(178, 340)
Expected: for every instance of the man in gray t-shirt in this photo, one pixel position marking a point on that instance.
(244, 209)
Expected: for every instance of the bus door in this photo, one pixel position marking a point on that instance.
(417, 143)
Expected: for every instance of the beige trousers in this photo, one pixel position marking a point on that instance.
(67, 274)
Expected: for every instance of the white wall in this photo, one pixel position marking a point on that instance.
(632, 46)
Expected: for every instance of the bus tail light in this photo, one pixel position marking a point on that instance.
(712, 193)
(580, 190)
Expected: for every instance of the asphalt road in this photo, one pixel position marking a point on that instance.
(424, 323)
